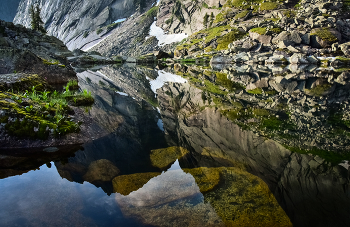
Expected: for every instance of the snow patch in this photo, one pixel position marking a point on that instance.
(122, 93)
(164, 38)
(120, 20)
(160, 124)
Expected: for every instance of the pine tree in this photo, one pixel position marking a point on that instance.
(32, 17)
(36, 23)
(211, 19)
(205, 21)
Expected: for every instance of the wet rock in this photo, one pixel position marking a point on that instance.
(162, 158)
(101, 170)
(125, 184)
(298, 59)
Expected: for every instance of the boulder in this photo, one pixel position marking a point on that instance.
(287, 38)
(265, 39)
(180, 53)
(345, 48)
(220, 60)
(324, 37)
(298, 59)
(305, 39)
(161, 54)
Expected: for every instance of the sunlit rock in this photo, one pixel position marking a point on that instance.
(125, 184)
(162, 158)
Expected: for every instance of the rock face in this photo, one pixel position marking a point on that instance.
(69, 19)
(25, 51)
(8, 9)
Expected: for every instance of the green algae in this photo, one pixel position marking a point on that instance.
(239, 198)
(162, 158)
(125, 184)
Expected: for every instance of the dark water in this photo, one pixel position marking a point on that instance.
(193, 146)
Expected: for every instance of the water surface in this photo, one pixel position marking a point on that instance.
(193, 146)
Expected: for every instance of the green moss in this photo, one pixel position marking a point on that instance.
(34, 114)
(261, 31)
(319, 90)
(225, 40)
(289, 13)
(276, 30)
(53, 62)
(325, 35)
(152, 12)
(220, 17)
(343, 59)
(213, 88)
(268, 6)
(242, 14)
(99, 31)
(256, 91)
(332, 157)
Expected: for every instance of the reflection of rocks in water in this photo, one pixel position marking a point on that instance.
(164, 157)
(18, 161)
(279, 103)
(125, 184)
(241, 199)
(311, 190)
(171, 199)
(131, 131)
(101, 170)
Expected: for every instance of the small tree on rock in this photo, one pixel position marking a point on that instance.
(205, 21)
(36, 21)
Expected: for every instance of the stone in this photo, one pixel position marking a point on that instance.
(295, 37)
(319, 42)
(312, 60)
(298, 59)
(161, 54)
(101, 170)
(345, 48)
(283, 36)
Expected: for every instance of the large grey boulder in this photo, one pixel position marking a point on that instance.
(324, 37)
(288, 38)
(345, 48)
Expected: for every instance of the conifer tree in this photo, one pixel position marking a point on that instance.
(211, 19)
(36, 23)
(205, 21)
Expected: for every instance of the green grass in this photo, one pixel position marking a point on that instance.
(289, 13)
(152, 12)
(225, 40)
(256, 91)
(329, 156)
(268, 6)
(325, 35)
(36, 114)
(99, 31)
(53, 62)
(320, 89)
(241, 14)
(261, 31)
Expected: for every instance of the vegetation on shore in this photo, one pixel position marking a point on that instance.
(37, 113)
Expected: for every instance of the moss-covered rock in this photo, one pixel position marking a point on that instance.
(324, 37)
(240, 199)
(125, 184)
(162, 158)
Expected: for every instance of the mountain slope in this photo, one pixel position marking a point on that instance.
(68, 19)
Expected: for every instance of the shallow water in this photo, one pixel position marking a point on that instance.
(176, 154)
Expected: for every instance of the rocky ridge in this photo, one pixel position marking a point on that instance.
(73, 21)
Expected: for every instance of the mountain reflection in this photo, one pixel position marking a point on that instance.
(257, 146)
